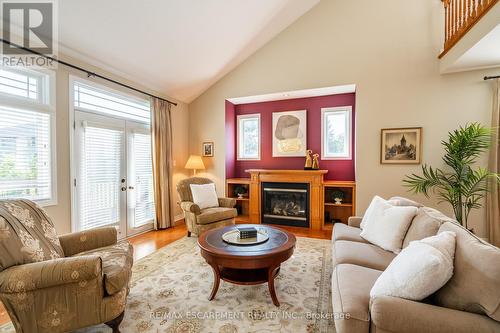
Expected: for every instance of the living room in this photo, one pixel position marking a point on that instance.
(250, 166)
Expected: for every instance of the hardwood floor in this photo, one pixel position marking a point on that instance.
(151, 241)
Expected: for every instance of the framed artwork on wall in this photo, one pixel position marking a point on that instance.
(207, 149)
(290, 133)
(401, 145)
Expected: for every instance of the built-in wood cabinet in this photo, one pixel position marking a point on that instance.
(322, 209)
(338, 212)
(242, 203)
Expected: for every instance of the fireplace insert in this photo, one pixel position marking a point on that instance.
(285, 204)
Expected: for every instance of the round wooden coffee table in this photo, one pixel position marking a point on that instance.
(246, 264)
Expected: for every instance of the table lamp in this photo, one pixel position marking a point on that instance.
(195, 162)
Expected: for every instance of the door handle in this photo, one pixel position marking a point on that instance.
(123, 188)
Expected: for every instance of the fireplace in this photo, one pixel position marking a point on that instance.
(285, 204)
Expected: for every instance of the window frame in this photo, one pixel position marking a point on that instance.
(239, 118)
(45, 103)
(337, 110)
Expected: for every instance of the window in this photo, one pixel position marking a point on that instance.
(90, 98)
(248, 137)
(27, 151)
(336, 135)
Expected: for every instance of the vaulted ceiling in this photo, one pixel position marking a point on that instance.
(177, 47)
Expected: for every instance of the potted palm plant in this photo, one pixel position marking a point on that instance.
(460, 182)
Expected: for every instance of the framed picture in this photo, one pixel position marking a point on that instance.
(401, 145)
(290, 133)
(208, 149)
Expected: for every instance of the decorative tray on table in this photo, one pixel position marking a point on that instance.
(233, 237)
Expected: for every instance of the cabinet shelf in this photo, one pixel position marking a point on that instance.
(338, 205)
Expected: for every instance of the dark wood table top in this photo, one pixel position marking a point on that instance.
(279, 241)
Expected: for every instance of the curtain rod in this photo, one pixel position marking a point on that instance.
(491, 77)
(89, 73)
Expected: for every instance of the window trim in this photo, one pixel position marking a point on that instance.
(46, 103)
(330, 110)
(242, 117)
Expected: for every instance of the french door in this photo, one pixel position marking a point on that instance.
(113, 176)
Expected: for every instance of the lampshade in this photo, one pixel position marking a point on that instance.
(195, 162)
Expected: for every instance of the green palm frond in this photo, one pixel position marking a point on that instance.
(459, 184)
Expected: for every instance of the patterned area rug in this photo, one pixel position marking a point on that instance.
(170, 287)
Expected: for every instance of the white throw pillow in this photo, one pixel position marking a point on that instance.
(395, 201)
(386, 225)
(375, 201)
(421, 269)
(204, 195)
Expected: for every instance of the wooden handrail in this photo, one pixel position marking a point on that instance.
(460, 17)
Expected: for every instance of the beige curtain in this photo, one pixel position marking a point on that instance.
(161, 133)
(493, 199)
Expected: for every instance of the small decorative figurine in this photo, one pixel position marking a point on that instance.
(315, 164)
(308, 165)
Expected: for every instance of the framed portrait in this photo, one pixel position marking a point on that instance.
(290, 133)
(208, 149)
(401, 145)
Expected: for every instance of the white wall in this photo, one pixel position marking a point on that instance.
(389, 50)
(61, 213)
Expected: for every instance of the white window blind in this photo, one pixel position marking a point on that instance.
(25, 154)
(248, 147)
(105, 102)
(99, 197)
(20, 84)
(26, 136)
(142, 173)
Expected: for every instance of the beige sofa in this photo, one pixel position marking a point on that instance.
(469, 302)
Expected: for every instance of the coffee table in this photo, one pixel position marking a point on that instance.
(246, 264)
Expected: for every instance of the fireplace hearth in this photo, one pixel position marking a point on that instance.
(285, 204)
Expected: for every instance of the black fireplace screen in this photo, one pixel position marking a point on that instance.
(285, 204)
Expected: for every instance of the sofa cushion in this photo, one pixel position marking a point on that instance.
(362, 254)
(342, 231)
(117, 263)
(425, 224)
(475, 284)
(215, 214)
(386, 225)
(419, 270)
(351, 286)
(27, 234)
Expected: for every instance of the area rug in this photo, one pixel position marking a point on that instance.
(169, 291)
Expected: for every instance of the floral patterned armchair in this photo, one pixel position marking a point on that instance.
(59, 284)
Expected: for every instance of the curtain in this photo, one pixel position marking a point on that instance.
(493, 198)
(161, 134)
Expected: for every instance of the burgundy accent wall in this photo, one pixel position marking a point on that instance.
(338, 169)
(230, 140)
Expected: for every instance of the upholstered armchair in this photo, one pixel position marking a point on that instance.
(199, 220)
(59, 284)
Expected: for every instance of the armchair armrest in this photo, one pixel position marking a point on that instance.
(394, 314)
(50, 273)
(190, 207)
(354, 221)
(77, 242)
(227, 202)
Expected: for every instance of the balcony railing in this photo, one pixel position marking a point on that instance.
(460, 17)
